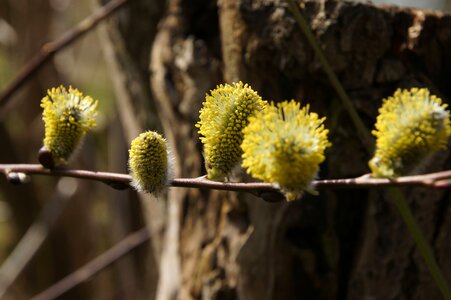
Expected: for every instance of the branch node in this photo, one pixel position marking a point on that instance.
(117, 185)
(271, 197)
(45, 158)
(17, 178)
(441, 184)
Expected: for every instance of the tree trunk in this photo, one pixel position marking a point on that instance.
(344, 244)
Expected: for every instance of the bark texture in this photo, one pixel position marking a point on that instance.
(348, 244)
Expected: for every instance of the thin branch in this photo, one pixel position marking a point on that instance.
(94, 266)
(432, 180)
(122, 181)
(48, 50)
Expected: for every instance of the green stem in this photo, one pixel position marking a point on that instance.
(364, 134)
(425, 250)
(397, 197)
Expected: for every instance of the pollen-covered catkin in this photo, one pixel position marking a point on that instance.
(285, 144)
(411, 126)
(68, 115)
(225, 113)
(149, 162)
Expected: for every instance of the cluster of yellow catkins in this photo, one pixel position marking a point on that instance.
(277, 143)
(281, 143)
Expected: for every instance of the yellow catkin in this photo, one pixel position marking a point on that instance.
(285, 144)
(68, 115)
(412, 125)
(225, 113)
(149, 162)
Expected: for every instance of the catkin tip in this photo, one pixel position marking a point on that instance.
(284, 144)
(68, 115)
(150, 163)
(411, 126)
(224, 114)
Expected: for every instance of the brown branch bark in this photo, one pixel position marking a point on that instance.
(122, 181)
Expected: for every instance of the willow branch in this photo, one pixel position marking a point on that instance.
(49, 49)
(122, 181)
(99, 263)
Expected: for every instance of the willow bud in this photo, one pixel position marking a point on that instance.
(411, 126)
(225, 113)
(149, 163)
(285, 144)
(68, 115)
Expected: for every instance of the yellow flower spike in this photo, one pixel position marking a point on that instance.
(225, 113)
(149, 163)
(285, 144)
(411, 126)
(68, 115)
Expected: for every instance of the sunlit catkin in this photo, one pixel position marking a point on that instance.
(149, 163)
(411, 126)
(285, 145)
(225, 113)
(68, 115)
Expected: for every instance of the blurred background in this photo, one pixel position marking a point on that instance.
(87, 218)
(83, 218)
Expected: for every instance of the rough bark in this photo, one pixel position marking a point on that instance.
(342, 244)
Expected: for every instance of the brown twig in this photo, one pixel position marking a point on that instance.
(99, 263)
(115, 179)
(432, 180)
(49, 49)
(122, 181)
